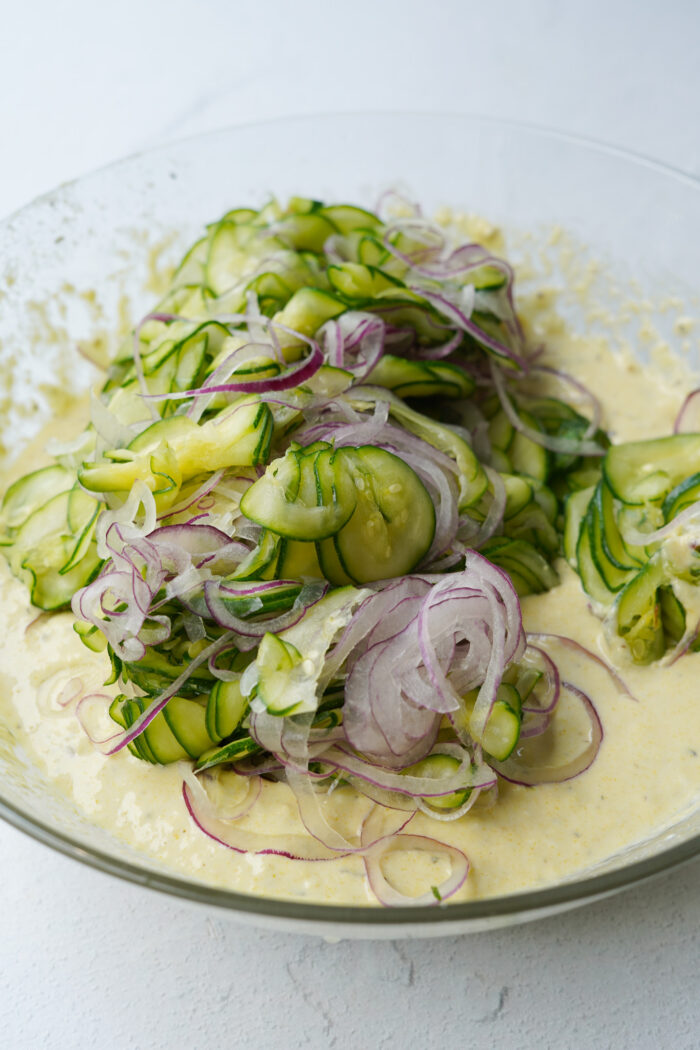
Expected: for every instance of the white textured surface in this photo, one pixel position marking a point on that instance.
(88, 962)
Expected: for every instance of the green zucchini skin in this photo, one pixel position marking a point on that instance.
(371, 504)
(645, 484)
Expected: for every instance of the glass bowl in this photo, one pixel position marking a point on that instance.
(638, 220)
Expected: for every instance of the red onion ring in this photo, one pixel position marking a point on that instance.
(520, 772)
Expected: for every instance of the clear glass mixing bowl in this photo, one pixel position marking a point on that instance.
(639, 220)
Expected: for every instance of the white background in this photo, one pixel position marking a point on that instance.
(86, 961)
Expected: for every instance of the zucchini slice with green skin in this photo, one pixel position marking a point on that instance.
(82, 515)
(234, 249)
(298, 560)
(646, 471)
(290, 664)
(526, 455)
(593, 582)
(371, 251)
(420, 378)
(530, 571)
(472, 478)
(532, 524)
(233, 751)
(439, 767)
(305, 232)
(26, 495)
(613, 575)
(575, 509)
(393, 523)
(261, 563)
(124, 711)
(638, 614)
(44, 545)
(91, 636)
(501, 431)
(502, 730)
(682, 496)
(356, 281)
(242, 604)
(519, 493)
(226, 707)
(331, 565)
(348, 217)
(616, 550)
(673, 617)
(275, 660)
(154, 672)
(301, 499)
(178, 732)
(306, 312)
(178, 448)
(191, 268)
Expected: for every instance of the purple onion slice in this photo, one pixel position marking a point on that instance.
(529, 766)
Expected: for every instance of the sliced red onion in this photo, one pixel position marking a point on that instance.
(462, 260)
(294, 376)
(459, 318)
(315, 822)
(191, 539)
(519, 770)
(229, 813)
(581, 389)
(571, 446)
(688, 418)
(386, 799)
(203, 490)
(389, 896)
(570, 643)
(139, 499)
(294, 847)
(398, 680)
(467, 775)
(354, 341)
(71, 693)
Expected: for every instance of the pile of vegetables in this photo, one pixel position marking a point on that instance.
(314, 488)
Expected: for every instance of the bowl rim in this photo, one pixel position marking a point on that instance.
(515, 906)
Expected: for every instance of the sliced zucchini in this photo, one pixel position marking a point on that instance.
(593, 582)
(32, 491)
(233, 751)
(177, 448)
(226, 707)
(439, 767)
(472, 478)
(393, 523)
(682, 496)
(502, 730)
(646, 471)
(420, 378)
(638, 614)
(302, 497)
(575, 511)
(178, 732)
(275, 660)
